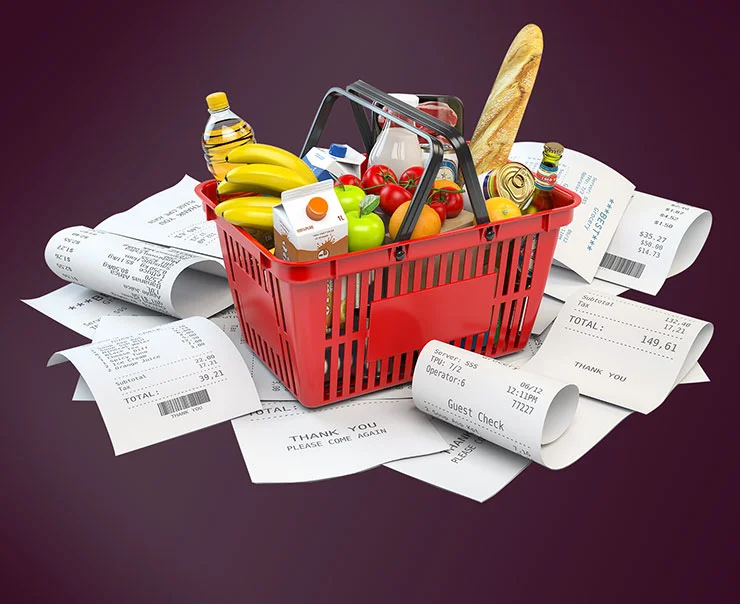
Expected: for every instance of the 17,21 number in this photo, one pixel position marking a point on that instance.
(656, 343)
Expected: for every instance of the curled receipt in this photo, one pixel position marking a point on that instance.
(516, 409)
(167, 280)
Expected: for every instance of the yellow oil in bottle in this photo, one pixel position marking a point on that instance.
(224, 132)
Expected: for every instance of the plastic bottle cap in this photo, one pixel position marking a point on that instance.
(409, 99)
(338, 150)
(317, 208)
(217, 101)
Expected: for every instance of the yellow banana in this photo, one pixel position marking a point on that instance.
(249, 202)
(257, 153)
(264, 177)
(230, 188)
(245, 216)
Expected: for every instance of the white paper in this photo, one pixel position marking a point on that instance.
(116, 327)
(477, 469)
(549, 309)
(620, 351)
(605, 195)
(513, 408)
(165, 280)
(656, 239)
(286, 442)
(471, 466)
(80, 309)
(172, 218)
(563, 283)
(164, 382)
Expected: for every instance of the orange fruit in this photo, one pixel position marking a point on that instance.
(438, 184)
(500, 208)
(429, 222)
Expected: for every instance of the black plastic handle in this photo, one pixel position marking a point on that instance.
(465, 159)
(377, 97)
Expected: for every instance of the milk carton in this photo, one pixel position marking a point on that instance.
(309, 224)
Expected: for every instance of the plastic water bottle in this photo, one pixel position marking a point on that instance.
(397, 147)
(225, 131)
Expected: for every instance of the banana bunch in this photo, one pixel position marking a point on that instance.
(266, 172)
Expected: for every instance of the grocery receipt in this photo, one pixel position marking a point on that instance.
(165, 280)
(620, 351)
(173, 218)
(286, 442)
(476, 467)
(164, 381)
(80, 309)
(656, 239)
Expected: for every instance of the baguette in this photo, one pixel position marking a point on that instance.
(498, 124)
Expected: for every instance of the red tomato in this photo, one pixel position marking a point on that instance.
(376, 177)
(392, 196)
(348, 179)
(449, 196)
(411, 177)
(440, 208)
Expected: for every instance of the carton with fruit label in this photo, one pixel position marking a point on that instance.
(309, 224)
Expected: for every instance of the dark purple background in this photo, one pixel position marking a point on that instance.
(104, 105)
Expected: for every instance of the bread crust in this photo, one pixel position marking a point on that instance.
(498, 124)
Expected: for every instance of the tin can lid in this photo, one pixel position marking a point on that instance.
(554, 148)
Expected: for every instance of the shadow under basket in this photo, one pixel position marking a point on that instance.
(348, 325)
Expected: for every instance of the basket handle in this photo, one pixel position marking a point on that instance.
(422, 191)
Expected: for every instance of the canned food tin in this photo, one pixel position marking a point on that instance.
(512, 180)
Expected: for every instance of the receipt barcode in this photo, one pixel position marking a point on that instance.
(181, 403)
(622, 265)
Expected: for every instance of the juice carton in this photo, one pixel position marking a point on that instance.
(309, 224)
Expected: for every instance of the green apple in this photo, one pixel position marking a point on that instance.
(365, 229)
(349, 196)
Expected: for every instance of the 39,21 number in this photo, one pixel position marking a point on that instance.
(656, 343)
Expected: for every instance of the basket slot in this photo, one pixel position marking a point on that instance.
(353, 373)
(471, 260)
(342, 366)
(533, 258)
(523, 314)
(510, 323)
(289, 362)
(484, 254)
(402, 366)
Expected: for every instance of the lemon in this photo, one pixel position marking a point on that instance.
(500, 208)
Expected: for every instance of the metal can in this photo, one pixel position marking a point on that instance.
(513, 181)
(448, 167)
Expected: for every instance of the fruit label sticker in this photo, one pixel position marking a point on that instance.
(163, 381)
(656, 239)
(605, 195)
(166, 280)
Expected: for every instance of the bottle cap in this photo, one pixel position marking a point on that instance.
(409, 99)
(217, 101)
(554, 149)
(338, 150)
(317, 208)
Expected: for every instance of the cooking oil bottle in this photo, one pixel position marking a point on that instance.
(225, 131)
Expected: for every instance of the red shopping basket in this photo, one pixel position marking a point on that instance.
(347, 325)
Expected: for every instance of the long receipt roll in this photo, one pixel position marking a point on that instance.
(513, 408)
